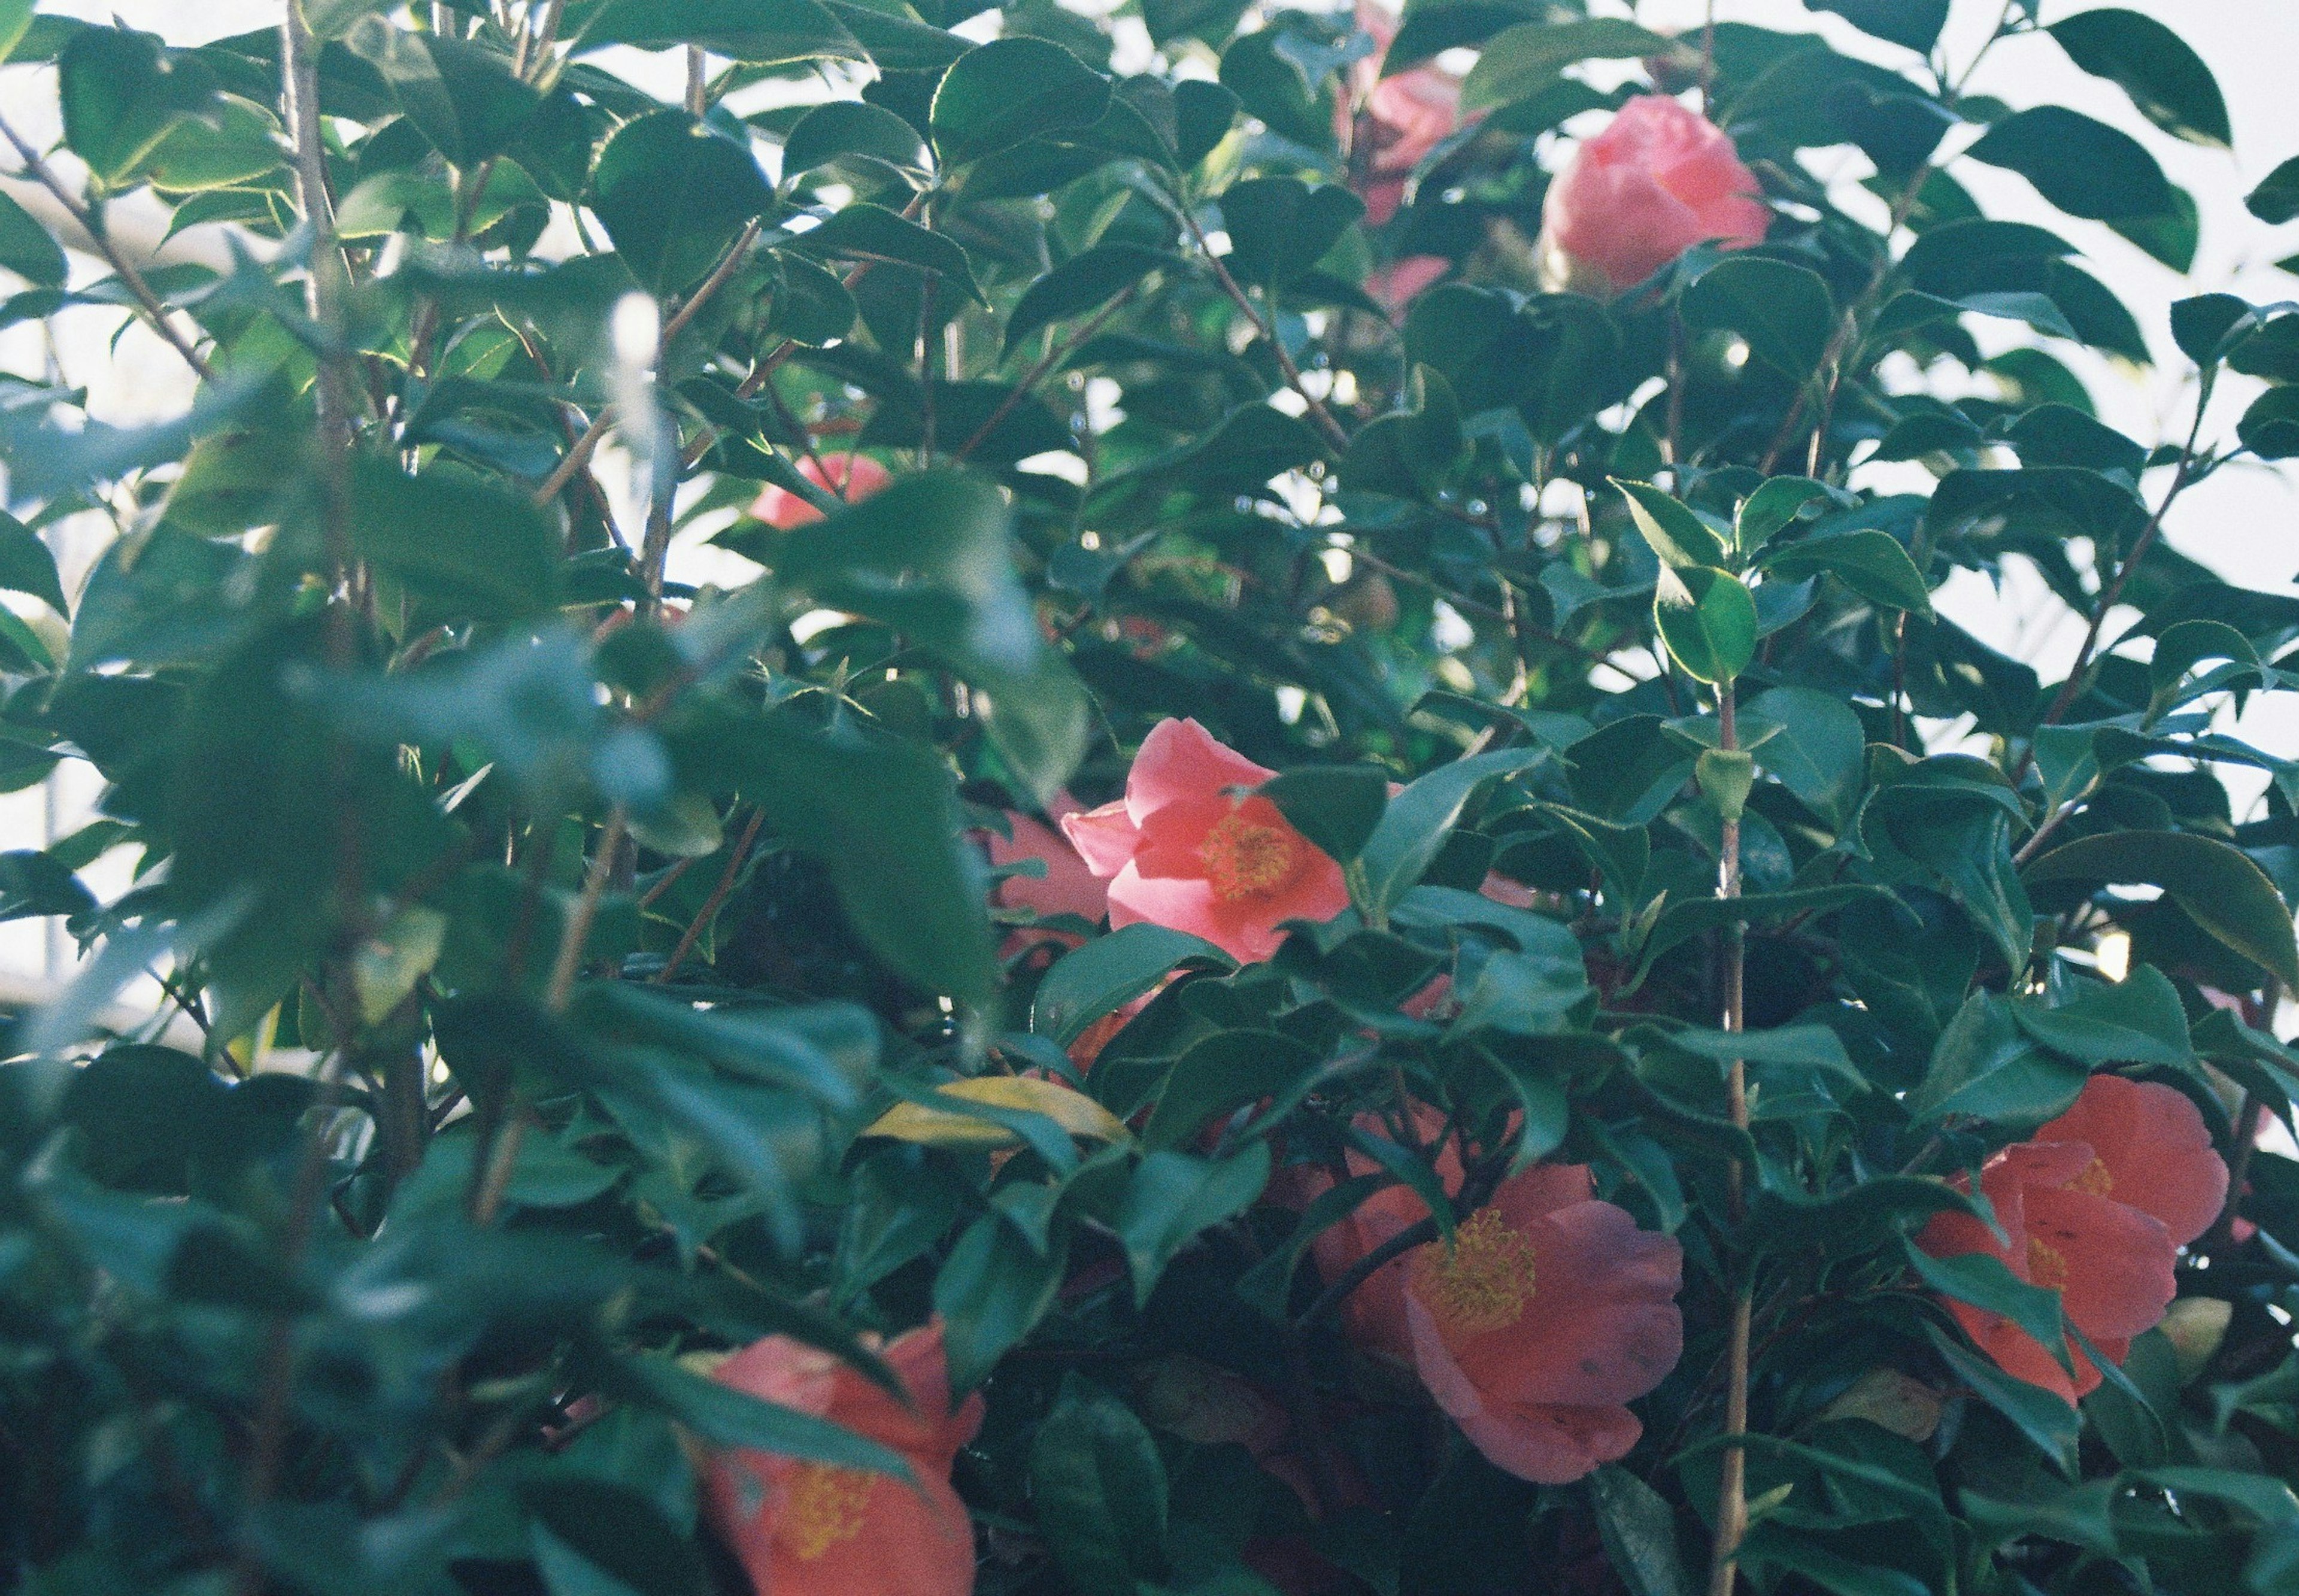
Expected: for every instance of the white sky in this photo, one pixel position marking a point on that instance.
(2242, 522)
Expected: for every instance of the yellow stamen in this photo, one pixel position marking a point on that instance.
(2095, 1180)
(1244, 859)
(1483, 1282)
(824, 1508)
(2047, 1264)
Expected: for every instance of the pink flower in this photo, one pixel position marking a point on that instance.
(1659, 179)
(809, 1529)
(2097, 1206)
(1186, 849)
(1067, 888)
(853, 477)
(1404, 117)
(1397, 285)
(1546, 1315)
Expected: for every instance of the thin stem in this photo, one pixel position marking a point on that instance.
(1732, 1489)
(576, 932)
(1334, 433)
(155, 312)
(1054, 356)
(715, 901)
(697, 94)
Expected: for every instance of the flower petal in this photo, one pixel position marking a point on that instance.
(2115, 1261)
(1552, 1445)
(2153, 1148)
(1180, 759)
(1104, 837)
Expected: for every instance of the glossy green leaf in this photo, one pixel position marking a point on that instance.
(1415, 827)
(1871, 562)
(1708, 621)
(1172, 1196)
(2083, 166)
(1009, 90)
(1109, 972)
(2166, 80)
(1280, 227)
(1101, 1490)
(1785, 312)
(2219, 886)
(122, 92)
(672, 194)
(761, 32)
(1678, 535)
(1524, 60)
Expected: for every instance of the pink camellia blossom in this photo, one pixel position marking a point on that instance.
(1547, 1313)
(1067, 888)
(1397, 285)
(810, 1529)
(1658, 180)
(1404, 117)
(853, 477)
(1188, 848)
(2095, 1206)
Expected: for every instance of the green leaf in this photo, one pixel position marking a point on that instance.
(1983, 1280)
(122, 92)
(1221, 1072)
(461, 541)
(725, 1417)
(27, 248)
(2270, 427)
(1082, 283)
(1172, 1196)
(1678, 537)
(27, 566)
(1818, 752)
(867, 232)
(1777, 504)
(1639, 1528)
(2083, 166)
(1708, 621)
(993, 1290)
(1784, 311)
(1982, 1067)
(932, 557)
(672, 194)
(2219, 886)
(2276, 200)
(1526, 58)
(1011, 90)
(1099, 1490)
(464, 97)
(1915, 24)
(16, 19)
(1278, 228)
(2166, 80)
(1867, 559)
(2049, 1424)
(757, 32)
(844, 128)
(2137, 1020)
(1109, 972)
(1414, 829)
(1336, 807)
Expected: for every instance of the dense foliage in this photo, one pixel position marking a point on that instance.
(1748, 1089)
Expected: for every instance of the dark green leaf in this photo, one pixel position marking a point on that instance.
(1109, 972)
(1419, 820)
(1784, 311)
(1914, 23)
(464, 97)
(866, 232)
(2166, 80)
(28, 249)
(1678, 535)
(2084, 167)
(1172, 1196)
(762, 32)
(1101, 1492)
(2276, 200)
(844, 128)
(459, 540)
(1639, 1528)
(1080, 284)
(2219, 886)
(991, 1291)
(1335, 806)
(1533, 56)
(1280, 227)
(726, 1417)
(122, 92)
(672, 194)
(1010, 91)
(1869, 562)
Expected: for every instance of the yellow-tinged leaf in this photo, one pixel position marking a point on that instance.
(1074, 1111)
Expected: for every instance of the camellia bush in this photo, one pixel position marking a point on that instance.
(1148, 803)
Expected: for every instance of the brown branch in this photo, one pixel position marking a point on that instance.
(715, 901)
(1732, 1483)
(1054, 356)
(155, 312)
(1335, 436)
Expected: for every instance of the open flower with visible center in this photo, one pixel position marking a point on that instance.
(852, 477)
(1660, 179)
(2095, 1206)
(810, 1529)
(1190, 848)
(1546, 1314)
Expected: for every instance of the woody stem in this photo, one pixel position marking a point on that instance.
(1731, 1488)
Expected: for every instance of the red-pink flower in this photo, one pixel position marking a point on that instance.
(809, 1529)
(1188, 848)
(1067, 888)
(1658, 180)
(853, 477)
(1547, 1313)
(1404, 117)
(1398, 286)
(2097, 1206)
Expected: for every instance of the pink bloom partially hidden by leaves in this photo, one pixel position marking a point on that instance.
(1190, 849)
(852, 477)
(1548, 1312)
(809, 1529)
(1405, 117)
(2095, 1206)
(1660, 179)
(1395, 286)
(1067, 888)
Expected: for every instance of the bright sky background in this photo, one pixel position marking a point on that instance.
(2243, 522)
